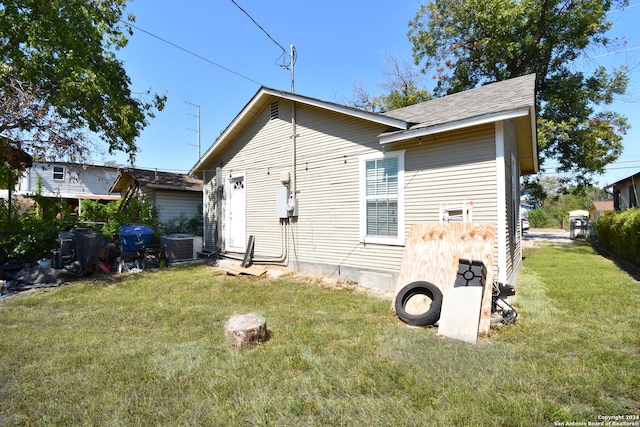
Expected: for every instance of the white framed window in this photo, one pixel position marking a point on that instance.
(58, 173)
(382, 198)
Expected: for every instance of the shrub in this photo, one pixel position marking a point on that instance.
(32, 234)
(137, 211)
(620, 233)
(539, 218)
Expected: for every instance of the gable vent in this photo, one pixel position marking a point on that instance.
(274, 110)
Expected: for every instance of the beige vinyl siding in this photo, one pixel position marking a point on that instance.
(263, 159)
(329, 148)
(209, 219)
(454, 167)
(261, 152)
(172, 204)
(327, 228)
(626, 193)
(457, 167)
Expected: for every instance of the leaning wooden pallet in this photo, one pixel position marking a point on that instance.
(432, 254)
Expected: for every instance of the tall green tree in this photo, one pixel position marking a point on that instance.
(466, 43)
(401, 87)
(60, 78)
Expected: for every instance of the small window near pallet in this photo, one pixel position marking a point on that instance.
(58, 173)
(274, 110)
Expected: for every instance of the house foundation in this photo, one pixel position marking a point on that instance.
(384, 281)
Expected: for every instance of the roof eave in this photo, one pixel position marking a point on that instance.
(534, 139)
(171, 187)
(220, 142)
(353, 112)
(523, 112)
(392, 137)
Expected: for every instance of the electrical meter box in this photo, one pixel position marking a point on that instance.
(282, 198)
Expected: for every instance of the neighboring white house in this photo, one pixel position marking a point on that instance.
(331, 190)
(625, 192)
(172, 194)
(69, 181)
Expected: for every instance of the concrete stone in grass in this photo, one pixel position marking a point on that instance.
(246, 330)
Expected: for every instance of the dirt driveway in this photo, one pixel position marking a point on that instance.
(555, 235)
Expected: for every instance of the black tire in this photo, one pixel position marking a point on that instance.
(427, 318)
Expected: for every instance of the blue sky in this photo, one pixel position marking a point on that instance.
(338, 43)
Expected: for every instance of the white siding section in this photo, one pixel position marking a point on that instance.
(513, 254)
(77, 180)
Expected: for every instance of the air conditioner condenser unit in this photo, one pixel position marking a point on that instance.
(178, 247)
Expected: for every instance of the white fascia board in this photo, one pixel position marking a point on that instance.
(353, 112)
(460, 124)
(534, 137)
(373, 117)
(218, 142)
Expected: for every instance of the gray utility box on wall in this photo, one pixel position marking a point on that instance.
(178, 247)
(286, 205)
(282, 198)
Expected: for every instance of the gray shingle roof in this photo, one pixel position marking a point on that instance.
(505, 95)
(495, 98)
(155, 179)
(166, 180)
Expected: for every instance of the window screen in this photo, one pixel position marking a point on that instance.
(382, 197)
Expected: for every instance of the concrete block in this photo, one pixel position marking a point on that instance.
(460, 315)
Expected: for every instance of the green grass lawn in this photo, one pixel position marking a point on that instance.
(149, 349)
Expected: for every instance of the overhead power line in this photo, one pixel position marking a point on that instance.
(193, 53)
(616, 52)
(284, 51)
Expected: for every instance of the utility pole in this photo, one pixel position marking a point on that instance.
(294, 136)
(197, 131)
(292, 60)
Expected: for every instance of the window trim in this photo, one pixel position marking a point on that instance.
(61, 172)
(384, 240)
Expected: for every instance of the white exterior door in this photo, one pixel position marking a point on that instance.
(236, 213)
